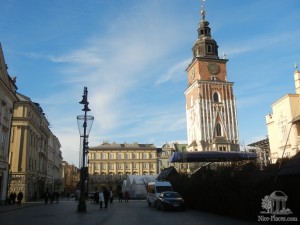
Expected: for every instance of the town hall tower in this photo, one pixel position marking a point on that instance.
(210, 102)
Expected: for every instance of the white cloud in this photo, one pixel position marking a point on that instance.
(113, 66)
(174, 73)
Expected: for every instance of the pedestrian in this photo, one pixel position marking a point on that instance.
(14, 197)
(52, 196)
(47, 196)
(11, 198)
(20, 197)
(96, 197)
(106, 197)
(120, 196)
(111, 196)
(57, 197)
(101, 199)
(126, 196)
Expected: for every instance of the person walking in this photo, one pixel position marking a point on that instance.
(120, 196)
(20, 197)
(101, 199)
(111, 196)
(106, 197)
(11, 198)
(47, 195)
(126, 196)
(14, 197)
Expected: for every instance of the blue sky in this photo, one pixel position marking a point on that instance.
(132, 56)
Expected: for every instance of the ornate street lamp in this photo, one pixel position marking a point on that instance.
(85, 123)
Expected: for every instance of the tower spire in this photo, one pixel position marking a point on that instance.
(203, 11)
(205, 46)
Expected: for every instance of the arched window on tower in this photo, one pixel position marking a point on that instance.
(216, 97)
(218, 130)
(209, 49)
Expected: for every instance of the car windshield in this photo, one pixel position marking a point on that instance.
(160, 189)
(171, 195)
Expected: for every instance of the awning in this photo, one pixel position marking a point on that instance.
(211, 156)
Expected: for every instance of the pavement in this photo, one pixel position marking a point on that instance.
(11, 207)
(136, 212)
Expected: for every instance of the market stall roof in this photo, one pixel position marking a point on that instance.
(211, 156)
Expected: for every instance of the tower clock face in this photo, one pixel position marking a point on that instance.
(213, 68)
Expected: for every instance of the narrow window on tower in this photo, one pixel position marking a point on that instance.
(216, 97)
(209, 49)
(218, 130)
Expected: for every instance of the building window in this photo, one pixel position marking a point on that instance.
(218, 130)
(144, 165)
(151, 166)
(103, 155)
(111, 156)
(127, 156)
(216, 97)
(103, 166)
(134, 156)
(222, 148)
(96, 166)
(209, 49)
(144, 156)
(97, 156)
(120, 166)
(111, 166)
(134, 165)
(127, 166)
(119, 156)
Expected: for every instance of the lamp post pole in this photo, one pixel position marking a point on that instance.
(84, 169)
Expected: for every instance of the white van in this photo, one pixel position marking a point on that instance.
(154, 189)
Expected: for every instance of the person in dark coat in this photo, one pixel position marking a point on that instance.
(106, 197)
(20, 197)
(14, 197)
(120, 196)
(126, 196)
(47, 196)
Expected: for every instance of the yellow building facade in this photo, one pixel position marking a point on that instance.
(33, 167)
(70, 178)
(7, 100)
(283, 124)
(109, 163)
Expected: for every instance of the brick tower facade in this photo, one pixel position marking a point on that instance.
(210, 102)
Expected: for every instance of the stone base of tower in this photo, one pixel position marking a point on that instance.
(217, 144)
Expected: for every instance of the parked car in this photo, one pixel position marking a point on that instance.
(170, 200)
(154, 189)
